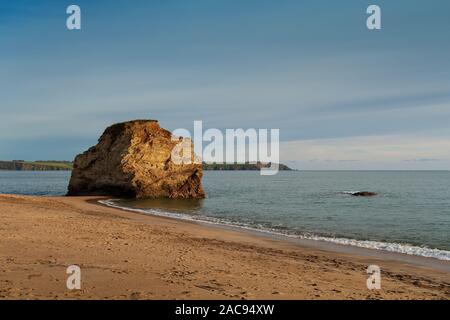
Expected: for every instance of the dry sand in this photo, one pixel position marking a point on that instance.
(124, 255)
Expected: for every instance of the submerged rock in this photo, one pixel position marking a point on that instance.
(133, 159)
(364, 194)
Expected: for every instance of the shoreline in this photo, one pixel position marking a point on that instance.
(315, 242)
(124, 255)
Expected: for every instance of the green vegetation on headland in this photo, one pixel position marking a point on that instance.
(241, 166)
(40, 165)
(51, 165)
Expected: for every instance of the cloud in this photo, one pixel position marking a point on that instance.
(370, 152)
(422, 160)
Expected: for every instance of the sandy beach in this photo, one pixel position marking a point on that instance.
(124, 255)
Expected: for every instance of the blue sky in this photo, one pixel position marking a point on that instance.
(342, 96)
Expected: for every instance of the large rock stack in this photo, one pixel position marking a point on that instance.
(133, 159)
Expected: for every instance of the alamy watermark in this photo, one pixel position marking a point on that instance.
(373, 22)
(73, 21)
(236, 146)
(74, 279)
(374, 280)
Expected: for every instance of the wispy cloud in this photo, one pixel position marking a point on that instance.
(422, 160)
(371, 152)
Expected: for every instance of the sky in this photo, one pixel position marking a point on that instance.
(343, 97)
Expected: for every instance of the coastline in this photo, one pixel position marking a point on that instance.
(439, 261)
(124, 255)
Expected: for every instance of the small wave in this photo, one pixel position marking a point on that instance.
(349, 192)
(375, 245)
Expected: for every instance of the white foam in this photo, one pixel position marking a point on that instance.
(349, 192)
(376, 245)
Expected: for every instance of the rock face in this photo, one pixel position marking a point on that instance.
(133, 159)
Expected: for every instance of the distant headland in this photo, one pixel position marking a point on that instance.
(39, 165)
(55, 165)
(241, 166)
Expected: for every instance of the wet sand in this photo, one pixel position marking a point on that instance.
(124, 255)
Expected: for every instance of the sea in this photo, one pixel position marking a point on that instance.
(410, 213)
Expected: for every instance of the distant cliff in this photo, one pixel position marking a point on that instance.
(20, 165)
(242, 166)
